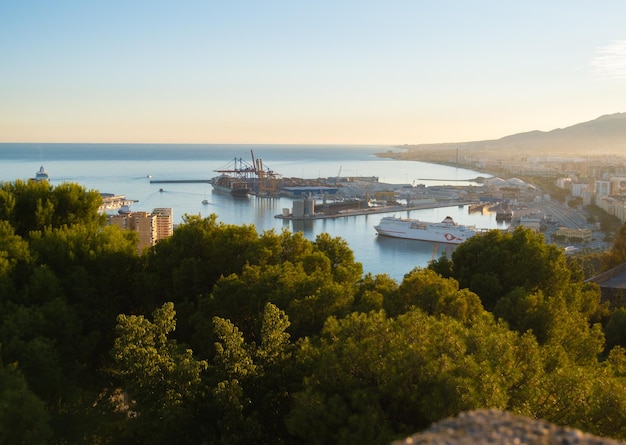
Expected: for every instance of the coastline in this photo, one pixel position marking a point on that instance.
(438, 158)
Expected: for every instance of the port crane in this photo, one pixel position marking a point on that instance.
(238, 168)
(266, 179)
(260, 179)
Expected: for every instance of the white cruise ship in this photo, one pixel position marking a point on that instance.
(446, 231)
(41, 174)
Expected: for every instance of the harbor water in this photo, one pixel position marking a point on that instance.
(127, 169)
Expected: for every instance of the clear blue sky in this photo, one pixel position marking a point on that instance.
(306, 72)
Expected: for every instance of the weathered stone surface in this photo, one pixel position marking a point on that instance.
(502, 428)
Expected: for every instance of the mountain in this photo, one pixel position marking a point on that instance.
(606, 134)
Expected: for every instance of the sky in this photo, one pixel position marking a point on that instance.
(306, 72)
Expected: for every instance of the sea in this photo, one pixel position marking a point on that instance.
(127, 169)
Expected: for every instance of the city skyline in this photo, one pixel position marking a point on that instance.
(403, 72)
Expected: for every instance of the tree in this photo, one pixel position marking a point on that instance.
(61, 286)
(442, 265)
(190, 262)
(73, 204)
(253, 381)
(496, 263)
(160, 376)
(32, 206)
(617, 254)
(615, 329)
(92, 270)
(15, 258)
(344, 268)
(290, 272)
(306, 290)
(435, 295)
(372, 378)
(23, 418)
(373, 291)
(13, 249)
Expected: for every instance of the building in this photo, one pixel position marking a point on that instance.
(574, 235)
(302, 191)
(164, 222)
(603, 188)
(531, 222)
(150, 226)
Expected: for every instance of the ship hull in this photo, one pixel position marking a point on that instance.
(504, 216)
(231, 186)
(444, 232)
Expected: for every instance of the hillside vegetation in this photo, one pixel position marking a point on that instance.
(221, 335)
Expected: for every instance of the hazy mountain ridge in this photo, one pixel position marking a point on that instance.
(606, 134)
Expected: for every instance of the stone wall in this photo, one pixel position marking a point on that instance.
(499, 427)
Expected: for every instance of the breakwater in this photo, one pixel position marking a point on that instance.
(179, 181)
(371, 210)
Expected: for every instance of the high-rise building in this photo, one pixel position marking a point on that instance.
(164, 222)
(150, 226)
(144, 224)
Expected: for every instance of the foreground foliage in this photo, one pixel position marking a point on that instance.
(221, 335)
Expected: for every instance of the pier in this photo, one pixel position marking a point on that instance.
(372, 210)
(179, 181)
(479, 207)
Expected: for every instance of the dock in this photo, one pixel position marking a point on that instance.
(479, 207)
(179, 181)
(373, 210)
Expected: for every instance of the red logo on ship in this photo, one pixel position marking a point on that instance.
(451, 237)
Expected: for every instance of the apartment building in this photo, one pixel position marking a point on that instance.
(164, 222)
(150, 226)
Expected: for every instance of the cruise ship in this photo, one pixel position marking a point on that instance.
(446, 231)
(41, 175)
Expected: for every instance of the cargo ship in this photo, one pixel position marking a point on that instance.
(229, 184)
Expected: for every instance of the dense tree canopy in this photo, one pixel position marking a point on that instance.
(497, 263)
(617, 254)
(220, 334)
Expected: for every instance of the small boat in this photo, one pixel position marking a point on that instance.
(41, 174)
(446, 231)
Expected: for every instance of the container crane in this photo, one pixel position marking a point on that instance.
(266, 179)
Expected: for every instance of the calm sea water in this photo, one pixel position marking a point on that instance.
(125, 169)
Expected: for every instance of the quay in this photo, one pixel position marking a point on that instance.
(479, 207)
(372, 210)
(179, 181)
